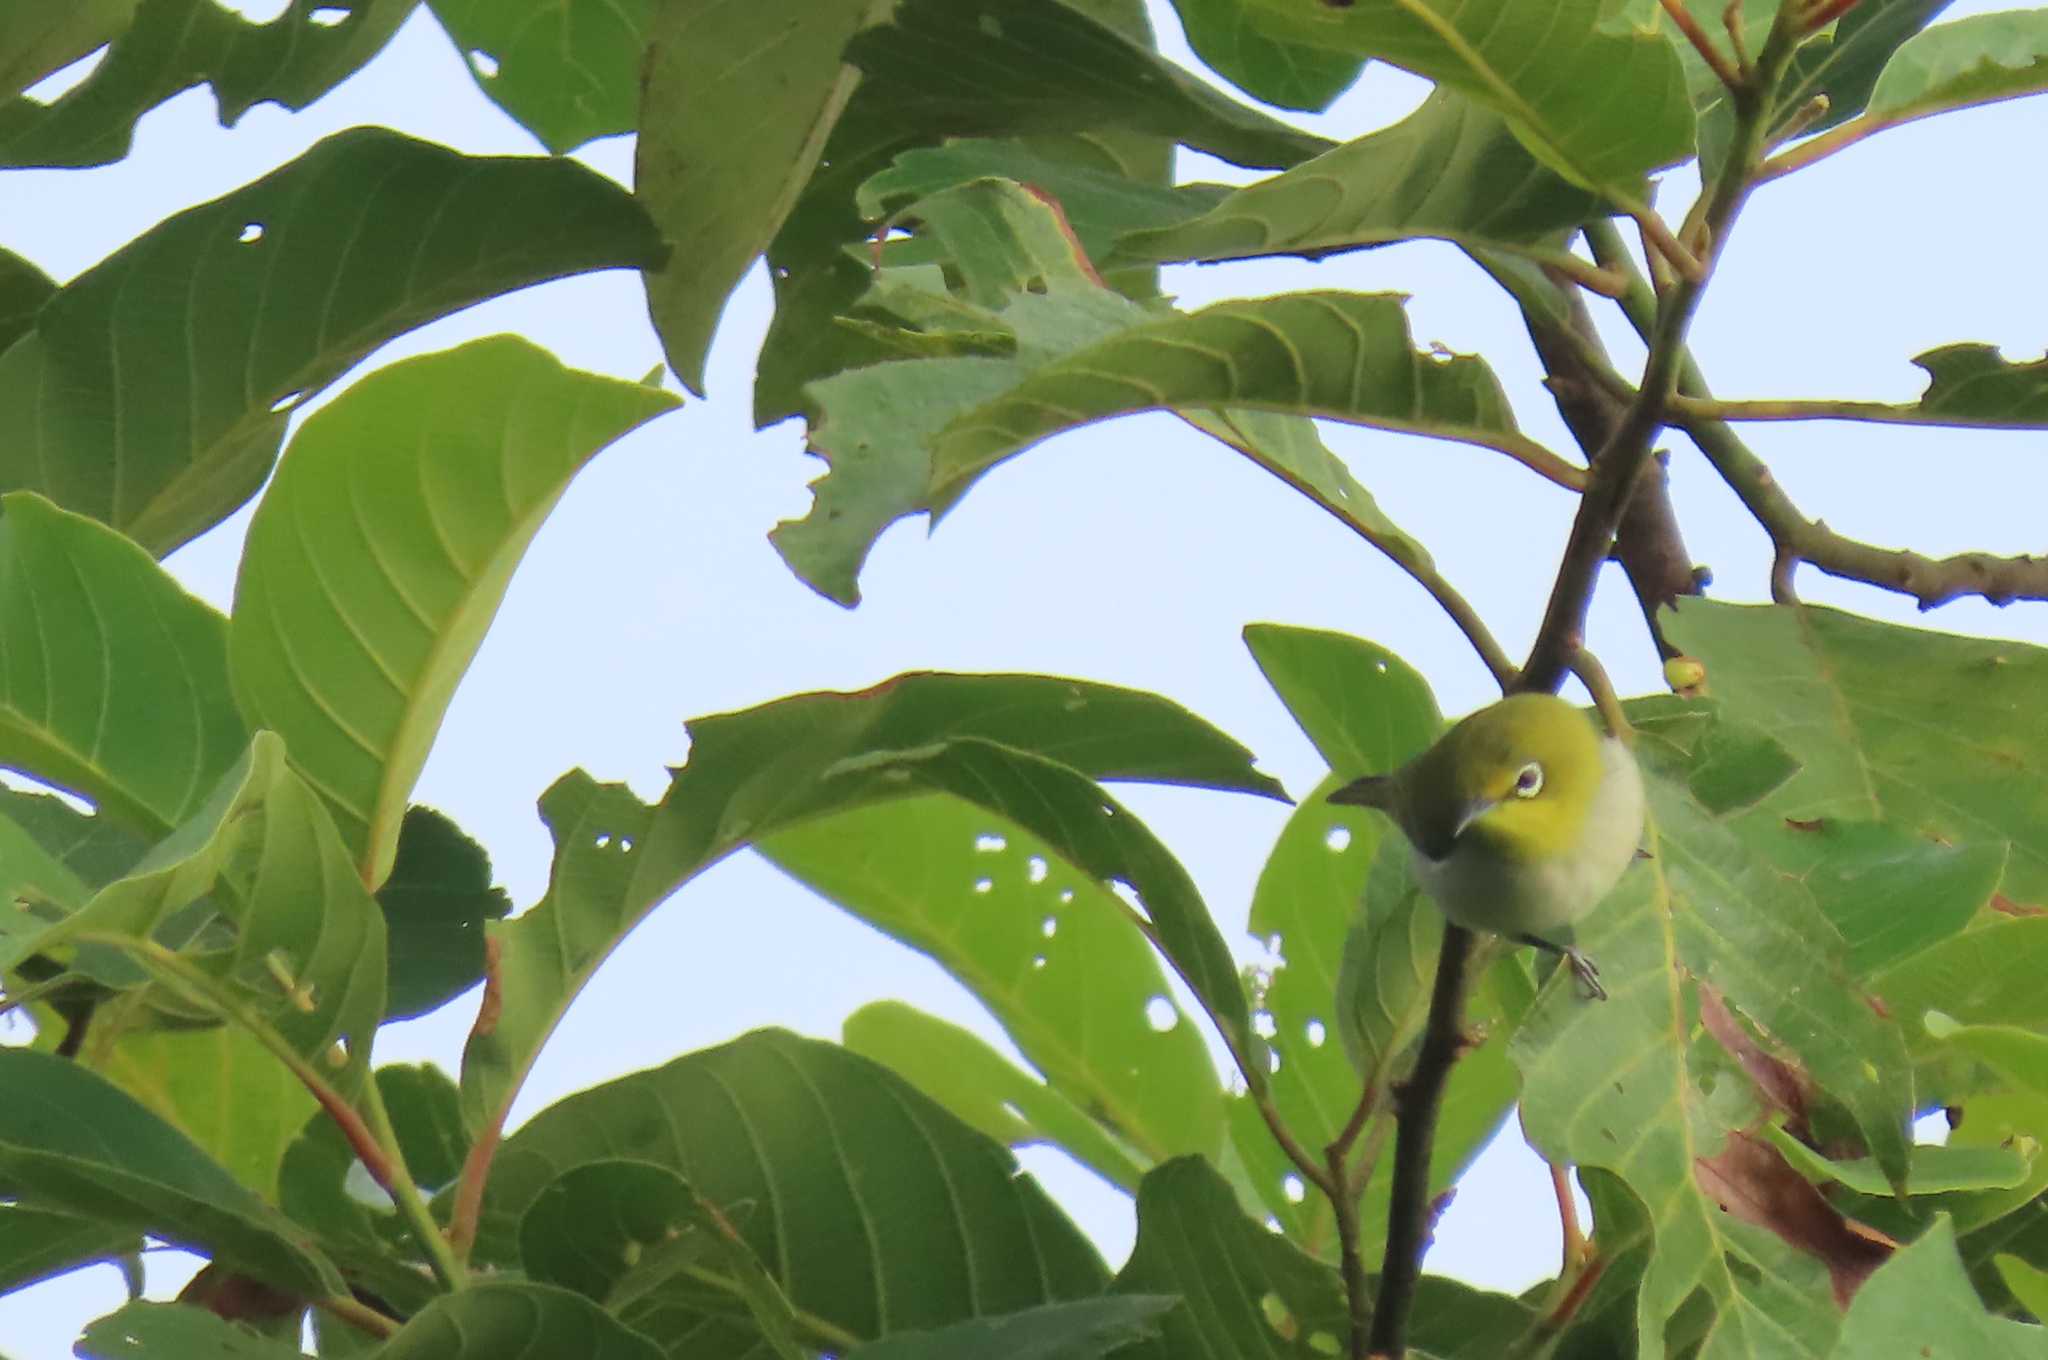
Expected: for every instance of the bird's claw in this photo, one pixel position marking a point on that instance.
(1587, 972)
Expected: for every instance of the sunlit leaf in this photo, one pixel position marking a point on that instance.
(159, 379)
(71, 1142)
(373, 568)
(173, 45)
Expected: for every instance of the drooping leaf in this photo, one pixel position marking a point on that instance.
(1043, 943)
(980, 1087)
(36, 1244)
(902, 1218)
(1922, 1300)
(1974, 60)
(1928, 731)
(172, 45)
(496, 1318)
(154, 387)
(172, 1331)
(41, 38)
(1450, 170)
(373, 567)
(568, 71)
(1600, 108)
(71, 1142)
(1292, 76)
(435, 905)
(757, 772)
(305, 946)
(1082, 1330)
(115, 680)
(23, 290)
(736, 104)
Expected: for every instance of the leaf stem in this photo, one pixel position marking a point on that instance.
(447, 1266)
(1575, 1249)
(1730, 74)
(1872, 412)
(476, 1164)
(358, 1315)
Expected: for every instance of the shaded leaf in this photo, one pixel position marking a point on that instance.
(305, 946)
(173, 1331)
(173, 45)
(1600, 108)
(88, 849)
(1928, 731)
(373, 567)
(36, 1244)
(902, 1218)
(736, 104)
(496, 1318)
(435, 905)
(159, 379)
(1922, 1300)
(115, 681)
(1294, 77)
(1451, 169)
(981, 1088)
(2028, 1283)
(71, 1142)
(1040, 939)
(568, 71)
(1082, 1330)
(2019, 1055)
(23, 290)
(1891, 894)
(42, 38)
(1977, 383)
(759, 771)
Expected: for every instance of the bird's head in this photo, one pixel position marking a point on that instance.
(1518, 777)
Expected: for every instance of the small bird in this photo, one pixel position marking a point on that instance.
(1522, 817)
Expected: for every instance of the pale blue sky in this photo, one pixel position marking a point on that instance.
(1132, 552)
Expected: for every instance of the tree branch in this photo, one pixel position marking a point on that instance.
(1869, 412)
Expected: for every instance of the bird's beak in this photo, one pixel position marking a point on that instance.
(1474, 810)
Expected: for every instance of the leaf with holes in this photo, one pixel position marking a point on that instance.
(154, 386)
(72, 1143)
(736, 104)
(492, 1319)
(305, 946)
(1045, 944)
(845, 1224)
(983, 1089)
(373, 567)
(173, 45)
(1928, 731)
(1600, 108)
(757, 772)
(1975, 60)
(568, 71)
(42, 38)
(116, 681)
(1450, 170)
(149, 1331)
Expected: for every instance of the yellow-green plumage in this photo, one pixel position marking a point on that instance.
(1522, 817)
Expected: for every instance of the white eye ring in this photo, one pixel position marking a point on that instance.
(1529, 781)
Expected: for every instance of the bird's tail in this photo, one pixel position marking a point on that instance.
(1373, 791)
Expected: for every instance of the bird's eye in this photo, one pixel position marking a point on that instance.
(1529, 782)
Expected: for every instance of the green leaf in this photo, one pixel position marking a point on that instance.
(23, 290)
(160, 378)
(87, 849)
(173, 45)
(1364, 708)
(1600, 108)
(1082, 1330)
(115, 683)
(71, 1142)
(568, 71)
(1978, 384)
(492, 1319)
(982, 1089)
(1922, 1300)
(2028, 1283)
(42, 38)
(1843, 64)
(1986, 976)
(36, 1244)
(2019, 1055)
(352, 629)
(306, 952)
(1975, 60)
(1341, 356)
(435, 905)
(1292, 76)
(902, 1218)
(1928, 731)
(172, 1331)
(756, 772)
(1891, 894)
(736, 104)
(1039, 939)
(1243, 1290)
(1932, 1170)
(1450, 170)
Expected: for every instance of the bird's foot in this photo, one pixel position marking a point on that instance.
(1586, 971)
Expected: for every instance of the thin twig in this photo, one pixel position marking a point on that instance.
(1731, 19)
(1840, 137)
(1575, 1250)
(1730, 75)
(1869, 412)
(1658, 240)
(358, 1315)
(467, 1206)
